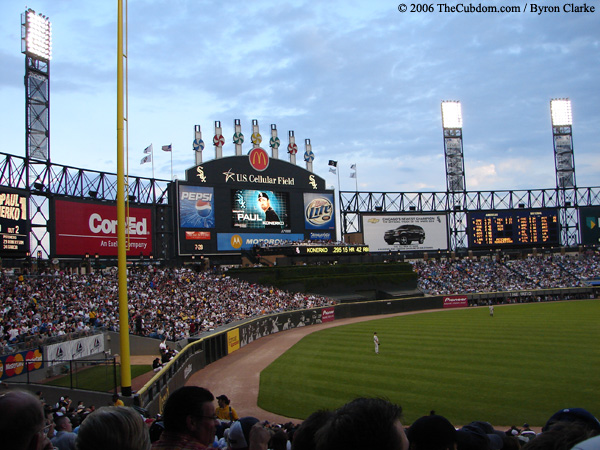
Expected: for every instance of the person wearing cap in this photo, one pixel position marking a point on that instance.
(224, 411)
(376, 342)
(432, 432)
(239, 434)
(189, 419)
(116, 400)
(526, 433)
(271, 217)
(562, 435)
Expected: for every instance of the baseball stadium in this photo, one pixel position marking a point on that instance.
(253, 279)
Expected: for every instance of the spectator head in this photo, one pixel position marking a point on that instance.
(190, 411)
(279, 440)
(63, 423)
(471, 437)
(113, 427)
(362, 424)
(431, 433)
(561, 436)
(574, 415)
(22, 411)
(238, 435)
(304, 437)
(223, 400)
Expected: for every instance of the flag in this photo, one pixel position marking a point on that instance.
(332, 170)
(146, 159)
(167, 148)
(332, 163)
(353, 175)
(353, 166)
(148, 149)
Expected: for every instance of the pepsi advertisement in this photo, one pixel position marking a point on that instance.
(196, 207)
(319, 212)
(260, 209)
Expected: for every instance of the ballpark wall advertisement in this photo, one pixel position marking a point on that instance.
(405, 232)
(92, 228)
(21, 362)
(319, 213)
(589, 225)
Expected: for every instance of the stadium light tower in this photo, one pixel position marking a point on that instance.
(453, 147)
(564, 161)
(455, 171)
(562, 133)
(36, 45)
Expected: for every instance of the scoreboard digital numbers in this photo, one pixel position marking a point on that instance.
(513, 228)
(14, 225)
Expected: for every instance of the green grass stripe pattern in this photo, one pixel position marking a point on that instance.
(522, 365)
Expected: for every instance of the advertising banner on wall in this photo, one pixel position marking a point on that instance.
(82, 228)
(405, 232)
(246, 241)
(589, 225)
(265, 326)
(196, 207)
(233, 340)
(319, 213)
(19, 363)
(456, 301)
(75, 349)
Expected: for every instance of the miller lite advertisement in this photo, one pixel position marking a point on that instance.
(319, 213)
(92, 228)
(260, 209)
(196, 207)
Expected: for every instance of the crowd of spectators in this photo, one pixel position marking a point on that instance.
(468, 275)
(163, 303)
(177, 303)
(189, 420)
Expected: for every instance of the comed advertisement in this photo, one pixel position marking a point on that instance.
(92, 228)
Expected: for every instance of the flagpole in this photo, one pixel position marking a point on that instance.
(152, 157)
(171, 147)
(356, 177)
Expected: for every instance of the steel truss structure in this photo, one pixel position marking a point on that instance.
(43, 181)
(457, 204)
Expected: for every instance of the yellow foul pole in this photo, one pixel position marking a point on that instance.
(121, 224)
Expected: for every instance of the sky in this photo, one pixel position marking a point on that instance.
(362, 80)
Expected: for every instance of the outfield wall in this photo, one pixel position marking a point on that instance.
(209, 348)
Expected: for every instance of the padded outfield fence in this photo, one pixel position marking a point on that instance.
(198, 353)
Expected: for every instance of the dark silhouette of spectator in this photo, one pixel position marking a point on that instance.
(432, 432)
(22, 422)
(362, 424)
(304, 436)
(113, 428)
(189, 420)
(561, 436)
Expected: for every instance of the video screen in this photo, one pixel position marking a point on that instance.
(196, 207)
(513, 228)
(258, 209)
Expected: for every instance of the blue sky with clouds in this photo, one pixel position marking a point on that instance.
(360, 79)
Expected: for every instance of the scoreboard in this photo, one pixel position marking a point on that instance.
(14, 223)
(513, 228)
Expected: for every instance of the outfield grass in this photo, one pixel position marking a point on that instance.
(522, 365)
(98, 378)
